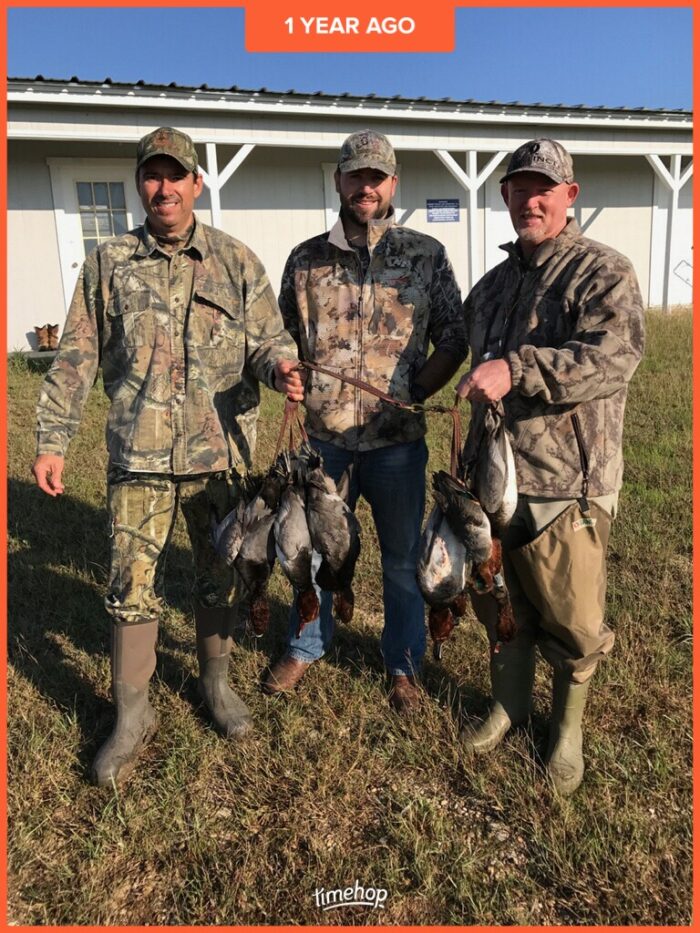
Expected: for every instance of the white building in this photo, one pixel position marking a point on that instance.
(268, 160)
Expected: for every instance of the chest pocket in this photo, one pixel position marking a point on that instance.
(131, 317)
(214, 320)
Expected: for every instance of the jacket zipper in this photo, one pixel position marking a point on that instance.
(583, 455)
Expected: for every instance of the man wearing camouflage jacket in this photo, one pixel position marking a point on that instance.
(184, 323)
(365, 300)
(556, 331)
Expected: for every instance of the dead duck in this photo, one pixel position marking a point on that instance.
(465, 517)
(292, 538)
(442, 577)
(491, 473)
(227, 535)
(256, 554)
(335, 535)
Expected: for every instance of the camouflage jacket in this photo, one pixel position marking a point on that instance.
(570, 323)
(182, 340)
(375, 328)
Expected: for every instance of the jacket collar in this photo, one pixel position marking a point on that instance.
(375, 231)
(547, 249)
(147, 243)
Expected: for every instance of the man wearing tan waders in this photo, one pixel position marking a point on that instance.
(183, 321)
(556, 331)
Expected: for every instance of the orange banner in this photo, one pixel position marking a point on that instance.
(362, 27)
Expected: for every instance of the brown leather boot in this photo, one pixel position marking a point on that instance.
(285, 675)
(404, 693)
(133, 664)
(229, 713)
(42, 337)
(52, 336)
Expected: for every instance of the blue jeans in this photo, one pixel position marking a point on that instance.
(392, 480)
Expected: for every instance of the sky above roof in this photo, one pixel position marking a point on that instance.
(614, 57)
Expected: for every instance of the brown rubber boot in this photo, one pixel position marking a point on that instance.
(42, 337)
(133, 664)
(512, 677)
(565, 751)
(285, 675)
(404, 694)
(229, 713)
(52, 336)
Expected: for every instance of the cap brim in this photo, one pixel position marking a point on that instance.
(537, 171)
(164, 152)
(354, 165)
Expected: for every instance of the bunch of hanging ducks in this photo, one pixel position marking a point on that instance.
(295, 514)
(461, 543)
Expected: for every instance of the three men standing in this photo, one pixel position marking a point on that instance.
(182, 319)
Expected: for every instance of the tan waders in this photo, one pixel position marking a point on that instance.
(512, 677)
(564, 753)
(229, 713)
(133, 663)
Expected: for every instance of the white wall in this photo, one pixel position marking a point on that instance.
(276, 199)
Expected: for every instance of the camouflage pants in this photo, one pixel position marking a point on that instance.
(555, 570)
(142, 510)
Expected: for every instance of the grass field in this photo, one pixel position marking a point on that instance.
(333, 787)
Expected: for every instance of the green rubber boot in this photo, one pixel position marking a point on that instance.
(229, 713)
(512, 677)
(133, 664)
(565, 750)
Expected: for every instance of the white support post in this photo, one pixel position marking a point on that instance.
(211, 178)
(215, 181)
(674, 181)
(471, 181)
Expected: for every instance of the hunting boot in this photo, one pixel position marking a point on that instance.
(133, 664)
(229, 713)
(565, 749)
(42, 337)
(52, 336)
(512, 677)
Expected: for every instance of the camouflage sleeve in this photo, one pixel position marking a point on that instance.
(72, 374)
(467, 313)
(288, 301)
(604, 351)
(266, 339)
(447, 328)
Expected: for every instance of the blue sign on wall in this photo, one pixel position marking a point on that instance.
(443, 211)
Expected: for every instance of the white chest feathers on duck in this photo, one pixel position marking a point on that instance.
(442, 569)
(493, 479)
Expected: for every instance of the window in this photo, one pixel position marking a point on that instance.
(102, 208)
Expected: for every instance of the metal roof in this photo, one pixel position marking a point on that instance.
(264, 94)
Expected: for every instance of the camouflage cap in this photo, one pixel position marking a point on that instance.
(542, 155)
(367, 149)
(169, 142)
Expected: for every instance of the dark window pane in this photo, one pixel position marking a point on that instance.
(119, 219)
(116, 193)
(89, 245)
(84, 194)
(100, 189)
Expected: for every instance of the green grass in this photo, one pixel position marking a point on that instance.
(332, 787)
